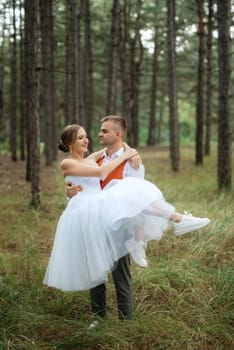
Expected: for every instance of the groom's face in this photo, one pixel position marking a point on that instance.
(109, 134)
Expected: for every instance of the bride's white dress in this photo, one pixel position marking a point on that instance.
(91, 232)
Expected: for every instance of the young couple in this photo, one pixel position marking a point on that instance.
(115, 213)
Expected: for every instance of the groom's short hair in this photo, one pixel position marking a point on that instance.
(120, 121)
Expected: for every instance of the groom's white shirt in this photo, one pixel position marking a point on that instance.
(128, 169)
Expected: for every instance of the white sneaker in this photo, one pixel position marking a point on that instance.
(137, 251)
(188, 224)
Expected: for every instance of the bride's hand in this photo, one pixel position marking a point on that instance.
(136, 161)
(125, 146)
(130, 152)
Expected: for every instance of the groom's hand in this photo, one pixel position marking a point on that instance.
(72, 190)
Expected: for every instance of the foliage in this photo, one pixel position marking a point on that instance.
(184, 300)
(187, 42)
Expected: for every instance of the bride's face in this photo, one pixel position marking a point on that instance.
(82, 141)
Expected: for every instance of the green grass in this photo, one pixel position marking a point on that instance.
(184, 300)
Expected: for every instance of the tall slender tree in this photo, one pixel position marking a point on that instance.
(74, 61)
(154, 114)
(113, 57)
(209, 77)
(131, 57)
(48, 91)
(200, 84)
(81, 66)
(68, 74)
(32, 92)
(136, 59)
(13, 89)
(224, 115)
(154, 87)
(22, 87)
(2, 78)
(124, 60)
(88, 57)
(161, 113)
(172, 87)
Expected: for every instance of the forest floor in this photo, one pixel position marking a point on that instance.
(184, 300)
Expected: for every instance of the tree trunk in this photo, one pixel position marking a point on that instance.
(125, 63)
(209, 78)
(172, 87)
(134, 93)
(200, 85)
(153, 97)
(68, 75)
(113, 58)
(32, 82)
(224, 115)
(13, 91)
(2, 80)
(81, 65)
(136, 58)
(161, 112)
(48, 98)
(74, 61)
(89, 72)
(22, 89)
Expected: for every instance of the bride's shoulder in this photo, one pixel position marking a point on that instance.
(68, 161)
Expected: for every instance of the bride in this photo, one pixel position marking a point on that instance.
(98, 226)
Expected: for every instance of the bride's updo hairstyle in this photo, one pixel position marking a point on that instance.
(68, 137)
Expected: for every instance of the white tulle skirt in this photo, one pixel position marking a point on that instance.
(92, 231)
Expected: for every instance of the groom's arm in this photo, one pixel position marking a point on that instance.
(72, 190)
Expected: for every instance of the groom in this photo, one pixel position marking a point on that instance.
(111, 135)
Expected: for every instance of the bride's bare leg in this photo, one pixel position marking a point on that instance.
(139, 235)
(176, 217)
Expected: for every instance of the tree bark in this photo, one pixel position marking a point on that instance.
(89, 72)
(81, 64)
(136, 58)
(125, 63)
(32, 92)
(74, 62)
(68, 75)
(153, 95)
(172, 87)
(161, 113)
(209, 78)
(22, 89)
(200, 85)
(48, 91)
(224, 115)
(13, 91)
(113, 58)
(2, 80)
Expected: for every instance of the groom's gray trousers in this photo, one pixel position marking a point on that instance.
(124, 292)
